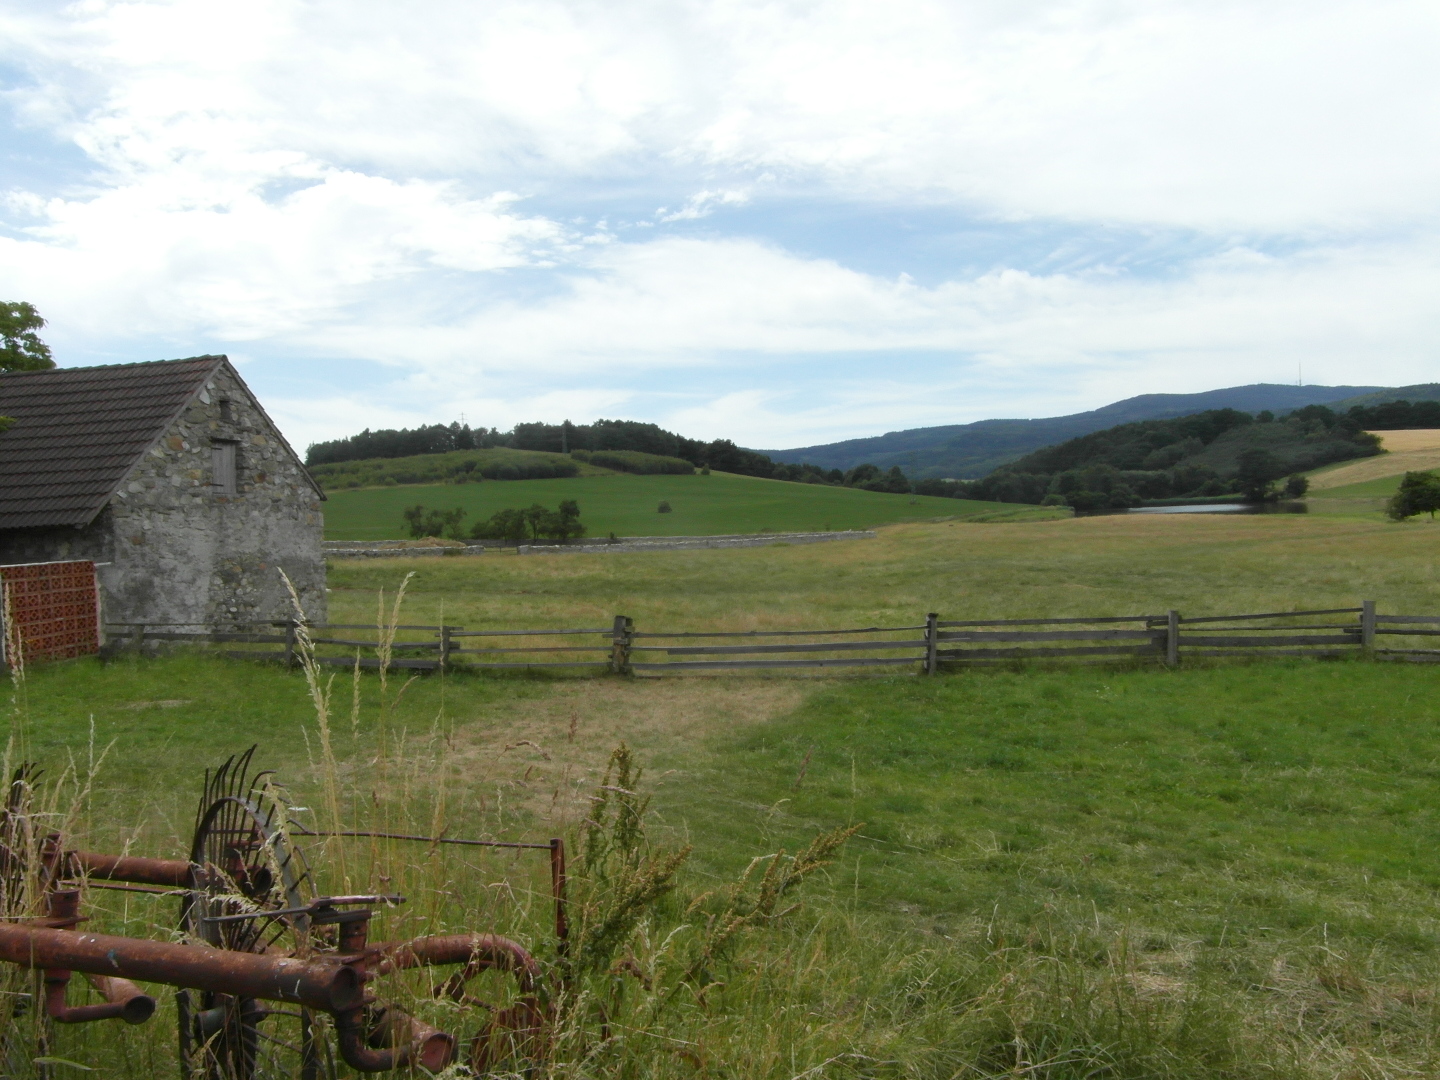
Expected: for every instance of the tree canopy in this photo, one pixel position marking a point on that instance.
(20, 346)
(1419, 493)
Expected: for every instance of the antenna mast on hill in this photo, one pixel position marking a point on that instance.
(1300, 374)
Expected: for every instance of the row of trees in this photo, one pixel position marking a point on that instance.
(1396, 415)
(533, 522)
(586, 441)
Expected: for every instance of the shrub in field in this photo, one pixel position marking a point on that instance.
(1419, 493)
(533, 522)
(422, 522)
(1257, 474)
(664, 507)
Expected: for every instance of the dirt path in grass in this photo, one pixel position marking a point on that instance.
(543, 756)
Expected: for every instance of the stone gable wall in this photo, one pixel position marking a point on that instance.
(184, 554)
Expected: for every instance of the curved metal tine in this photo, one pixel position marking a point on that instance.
(243, 770)
(279, 1042)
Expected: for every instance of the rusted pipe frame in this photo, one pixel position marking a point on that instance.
(123, 1000)
(391, 1039)
(326, 984)
(136, 869)
(478, 952)
(558, 882)
(515, 1032)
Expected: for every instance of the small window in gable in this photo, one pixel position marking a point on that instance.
(227, 413)
(222, 462)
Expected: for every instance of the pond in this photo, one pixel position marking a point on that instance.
(1226, 508)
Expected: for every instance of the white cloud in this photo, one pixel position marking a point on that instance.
(341, 180)
(703, 204)
(1203, 113)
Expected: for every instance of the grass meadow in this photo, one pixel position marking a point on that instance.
(627, 505)
(1105, 565)
(1217, 871)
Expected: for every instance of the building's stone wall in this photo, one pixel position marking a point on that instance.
(94, 542)
(183, 553)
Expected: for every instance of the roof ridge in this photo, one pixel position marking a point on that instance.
(112, 367)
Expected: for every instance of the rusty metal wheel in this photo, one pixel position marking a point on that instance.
(248, 893)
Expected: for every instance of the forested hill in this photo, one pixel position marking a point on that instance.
(973, 450)
(1218, 452)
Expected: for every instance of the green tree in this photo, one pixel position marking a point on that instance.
(424, 522)
(565, 523)
(1297, 486)
(502, 525)
(536, 519)
(1256, 475)
(1419, 493)
(20, 346)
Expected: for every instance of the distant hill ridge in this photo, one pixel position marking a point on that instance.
(969, 451)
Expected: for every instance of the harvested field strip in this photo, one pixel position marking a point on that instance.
(1407, 451)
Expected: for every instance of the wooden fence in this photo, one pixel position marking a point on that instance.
(927, 647)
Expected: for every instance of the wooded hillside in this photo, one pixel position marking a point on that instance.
(1219, 452)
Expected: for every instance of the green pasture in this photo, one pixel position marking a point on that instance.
(628, 505)
(1380, 488)
(1201, 564)
(1364, 499)
(1226, 870)
(1220, 871)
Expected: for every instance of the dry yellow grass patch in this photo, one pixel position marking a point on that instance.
(1416, 450)
(543, 756)
(1413, 439)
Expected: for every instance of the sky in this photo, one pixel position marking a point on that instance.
(784, 223)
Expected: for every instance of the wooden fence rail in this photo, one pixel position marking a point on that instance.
(930, 647)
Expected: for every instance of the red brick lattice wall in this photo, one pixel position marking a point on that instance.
(51, 611)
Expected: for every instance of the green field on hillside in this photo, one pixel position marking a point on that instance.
(627, 505)
(1380, 488)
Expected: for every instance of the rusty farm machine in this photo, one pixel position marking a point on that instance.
(270, 980)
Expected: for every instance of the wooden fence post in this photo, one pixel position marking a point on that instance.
(1367, 625)
(1172, 638)
(932, 661)
(620, 639)
(289, 644)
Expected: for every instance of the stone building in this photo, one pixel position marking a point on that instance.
(168, 475)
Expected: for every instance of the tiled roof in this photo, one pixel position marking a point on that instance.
(79, 431)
